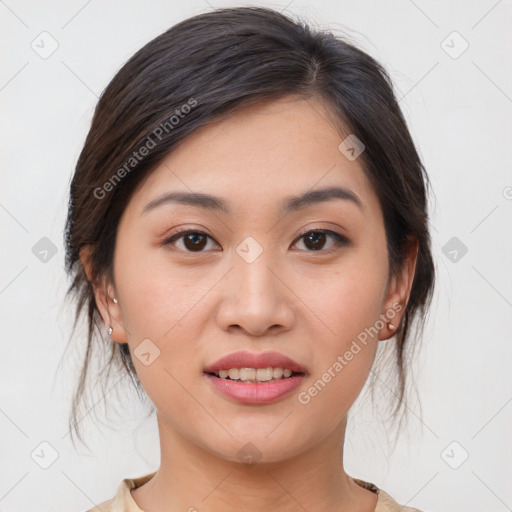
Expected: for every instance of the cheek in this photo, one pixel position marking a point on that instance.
(345, 350)
(161, 312)
(157, 296)
(348, 303)
(350, 297)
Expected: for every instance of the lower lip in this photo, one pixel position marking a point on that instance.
(256, 392)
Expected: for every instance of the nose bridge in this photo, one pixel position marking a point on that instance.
(255, 300)
(253, 278)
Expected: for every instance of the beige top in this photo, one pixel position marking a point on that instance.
(124, 502)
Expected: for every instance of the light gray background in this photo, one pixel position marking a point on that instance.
(459, 112)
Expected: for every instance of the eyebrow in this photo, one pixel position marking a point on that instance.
(293, 203)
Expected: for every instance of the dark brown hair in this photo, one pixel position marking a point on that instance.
(206, 67)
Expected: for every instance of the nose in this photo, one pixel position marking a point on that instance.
(255, 299)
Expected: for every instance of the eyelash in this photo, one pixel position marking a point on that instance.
(339, 239)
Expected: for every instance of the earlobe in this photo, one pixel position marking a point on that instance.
(106, 302)
(399, 292)
(390, 327)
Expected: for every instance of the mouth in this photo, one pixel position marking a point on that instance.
(258, 367)
(255, 378)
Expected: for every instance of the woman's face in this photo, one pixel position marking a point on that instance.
(256, 280)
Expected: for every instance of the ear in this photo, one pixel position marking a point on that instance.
(104, 294)
(399, 290)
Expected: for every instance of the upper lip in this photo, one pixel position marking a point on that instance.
(245, 359)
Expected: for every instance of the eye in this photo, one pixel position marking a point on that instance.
(314, 240)
(193, 240)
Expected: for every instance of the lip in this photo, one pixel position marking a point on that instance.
(255, 392)
(245, 359)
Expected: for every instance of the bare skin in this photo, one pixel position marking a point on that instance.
(308, 304)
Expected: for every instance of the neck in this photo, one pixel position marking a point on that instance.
(193, 479)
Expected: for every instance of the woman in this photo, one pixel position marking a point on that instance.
(248, 220)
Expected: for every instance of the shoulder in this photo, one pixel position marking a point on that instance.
(123, 501)
(104, 506)
(385, 503)
(388, 504)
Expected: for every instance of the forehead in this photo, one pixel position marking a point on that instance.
(260, 154)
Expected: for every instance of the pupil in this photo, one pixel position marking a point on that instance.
(197, 241)
(318, 239)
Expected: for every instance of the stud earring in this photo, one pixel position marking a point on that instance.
(391, 327)
(114, 300)
(110, 331)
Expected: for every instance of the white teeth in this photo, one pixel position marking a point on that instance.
(264, 374)
(234, 373)
(246, 374)
(255, 375)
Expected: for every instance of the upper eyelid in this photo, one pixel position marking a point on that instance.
(185, 230)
